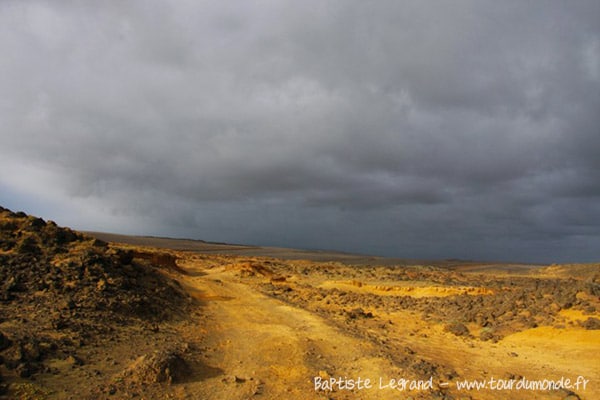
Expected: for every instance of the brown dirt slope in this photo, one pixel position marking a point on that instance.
(63, 293)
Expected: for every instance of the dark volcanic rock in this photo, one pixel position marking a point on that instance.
(458, 329)
(358, 313)
(55, 279)
(591, 323)
(4, 342)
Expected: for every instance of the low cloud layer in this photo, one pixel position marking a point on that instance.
(413, 129)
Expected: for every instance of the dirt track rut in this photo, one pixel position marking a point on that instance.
(264, 347)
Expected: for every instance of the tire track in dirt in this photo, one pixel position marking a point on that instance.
(265, 347)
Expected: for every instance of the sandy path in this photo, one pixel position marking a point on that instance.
(256, 346)
(264, 347)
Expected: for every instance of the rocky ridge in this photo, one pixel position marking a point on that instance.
(62, 291)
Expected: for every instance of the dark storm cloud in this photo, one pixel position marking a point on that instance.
(421, 129)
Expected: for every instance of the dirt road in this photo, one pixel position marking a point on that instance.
(257, 345)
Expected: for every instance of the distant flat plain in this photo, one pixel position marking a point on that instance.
(202, 246)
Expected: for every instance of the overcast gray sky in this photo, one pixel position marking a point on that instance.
(431, 129)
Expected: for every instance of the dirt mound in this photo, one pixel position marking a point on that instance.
(161, 259)
(61, 289)
(41, 260)
(458, 329)
(251, 268)
(162, 366)
(591, 324)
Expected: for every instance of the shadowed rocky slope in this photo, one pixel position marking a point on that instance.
(61, 291)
